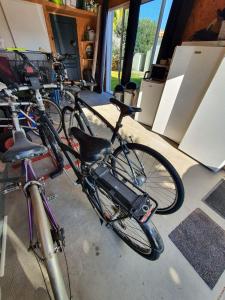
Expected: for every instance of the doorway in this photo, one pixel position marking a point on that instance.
(65, 37)
(147, 43)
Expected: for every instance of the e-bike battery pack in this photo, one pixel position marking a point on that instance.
(122, 194)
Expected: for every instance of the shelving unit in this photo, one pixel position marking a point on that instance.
(64, 9)
(83, 19)
(86, 63)
(51, 7)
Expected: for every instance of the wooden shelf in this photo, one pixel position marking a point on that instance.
(67, 10)
(88, 42)
(64, 9)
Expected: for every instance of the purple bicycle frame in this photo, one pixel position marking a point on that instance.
(31, 176)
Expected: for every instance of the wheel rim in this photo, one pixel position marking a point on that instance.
(128, 228)
(150, 175)
(52, 112)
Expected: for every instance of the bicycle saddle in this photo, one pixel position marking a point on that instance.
(22, 149)
(126, 110)
(92, 148)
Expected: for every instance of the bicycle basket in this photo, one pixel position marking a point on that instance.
(15, 69)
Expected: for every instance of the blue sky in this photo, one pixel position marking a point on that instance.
(151, 11)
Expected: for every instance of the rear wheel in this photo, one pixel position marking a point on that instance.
(153, 173)
(142, 238)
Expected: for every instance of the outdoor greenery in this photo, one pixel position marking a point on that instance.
(144, 41)
(135, 77)
(145, 35)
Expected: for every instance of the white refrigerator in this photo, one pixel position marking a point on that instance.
(148, 99)
(191, 71)
(205, 137)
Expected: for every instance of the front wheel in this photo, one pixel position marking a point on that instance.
(52, 111)
(151, 172)
(47, 248)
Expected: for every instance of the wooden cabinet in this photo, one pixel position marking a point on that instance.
(83, 19)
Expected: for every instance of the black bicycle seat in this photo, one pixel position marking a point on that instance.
(22, 149)
(92, 148)
(126, 110)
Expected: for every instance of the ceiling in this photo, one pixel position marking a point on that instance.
(115, 3)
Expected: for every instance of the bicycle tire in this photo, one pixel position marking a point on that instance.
(46, 245)
(154, 238)
(67, 98)
(148, 229)
(72, 142)
(164, 167)
(58, 116)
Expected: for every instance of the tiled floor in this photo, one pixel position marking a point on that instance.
(101, 266)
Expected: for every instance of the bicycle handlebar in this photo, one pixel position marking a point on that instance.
(15, 89)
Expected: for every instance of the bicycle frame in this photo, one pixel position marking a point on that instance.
(115, 130)
(21, 115)
(78, 106)
(65, 149)
(31, 178)
(48, 232)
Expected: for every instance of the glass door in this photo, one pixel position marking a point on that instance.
(152, 22)
(120, 19)
(149, 37)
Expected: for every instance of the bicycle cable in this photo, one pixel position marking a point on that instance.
(67, 271)
(38, 258)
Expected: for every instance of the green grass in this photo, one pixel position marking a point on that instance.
(135, 77)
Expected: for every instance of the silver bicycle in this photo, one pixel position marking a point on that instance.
(46, 236)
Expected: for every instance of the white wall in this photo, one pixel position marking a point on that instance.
(4, 31)
(27, 24)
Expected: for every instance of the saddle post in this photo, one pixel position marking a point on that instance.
(11, 103)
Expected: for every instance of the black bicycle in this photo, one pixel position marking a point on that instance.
(123, 206)
(142, 165)
(119, 202)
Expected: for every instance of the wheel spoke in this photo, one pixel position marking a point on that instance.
(150, 174)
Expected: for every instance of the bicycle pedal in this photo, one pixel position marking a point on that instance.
(52, 197)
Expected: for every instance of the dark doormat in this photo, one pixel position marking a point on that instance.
(202, 243)
(216, 199)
